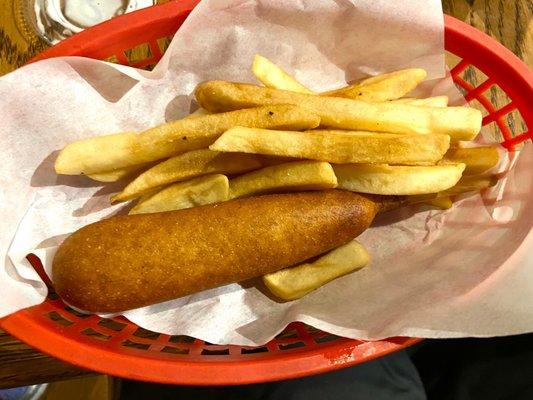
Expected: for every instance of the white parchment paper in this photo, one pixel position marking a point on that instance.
(464, 272)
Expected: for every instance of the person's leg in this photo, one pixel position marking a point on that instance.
(471, 369)
(387, 378)
(393, 377)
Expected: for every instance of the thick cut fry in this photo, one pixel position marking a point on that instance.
(397, 180)
(107, 153)
(477, 159)
(461, 123)
(273, 76)
(113, 176)
(472, 183)
(269, 161)
(101, 143)
(436, 101)
(295, 282)
(97, 154)
(186, 166)
(336, 146)
(200, 132)
(196, 192)
(382, 87)
(117, 174)
(293, 176)
(443, 203)
(198, 113)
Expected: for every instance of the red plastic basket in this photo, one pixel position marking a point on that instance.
(490, 76)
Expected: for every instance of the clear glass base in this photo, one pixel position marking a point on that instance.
(55, 20)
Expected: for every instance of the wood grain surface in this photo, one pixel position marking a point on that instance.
(508, 21)
(22, 365)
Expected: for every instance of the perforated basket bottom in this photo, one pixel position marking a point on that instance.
(133, 339)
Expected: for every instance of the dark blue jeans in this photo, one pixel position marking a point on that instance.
(454, 369)
(388, 378)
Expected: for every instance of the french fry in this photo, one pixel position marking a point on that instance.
(198, 113)
(269, 161)
(444, 203)
(471, 183)
(186, 166)
(295, 282)
(195, 192)
(477, 159)
(461, 123)
(110, 152)
(394, 83)
(436, 101)
(382, 87)
(113, 176)
(117, 174)
(336, 146)
(397, 180)
(293, 176)
(97, 154)
(273, 76)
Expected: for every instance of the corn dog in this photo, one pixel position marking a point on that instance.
(126, 262)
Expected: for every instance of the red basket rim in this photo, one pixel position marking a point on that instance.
(338, 354)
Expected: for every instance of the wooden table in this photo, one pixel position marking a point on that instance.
(508, 21)
(21, 365)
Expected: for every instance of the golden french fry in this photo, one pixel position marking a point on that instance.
(273, 76)
(443, 203)
(477, 159)
(461, 123)
(268, 161)
(110, 152)
(471, 183)
(97, 154)
(336, 146)
(117, 174)
(397, 180)
(436, 101)
(113, 176)
(293, 176)
(195, 192)
(198, 113)
(295, 282)
(149, 194)
(394, 84)
(186, 166)
(382, 87)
